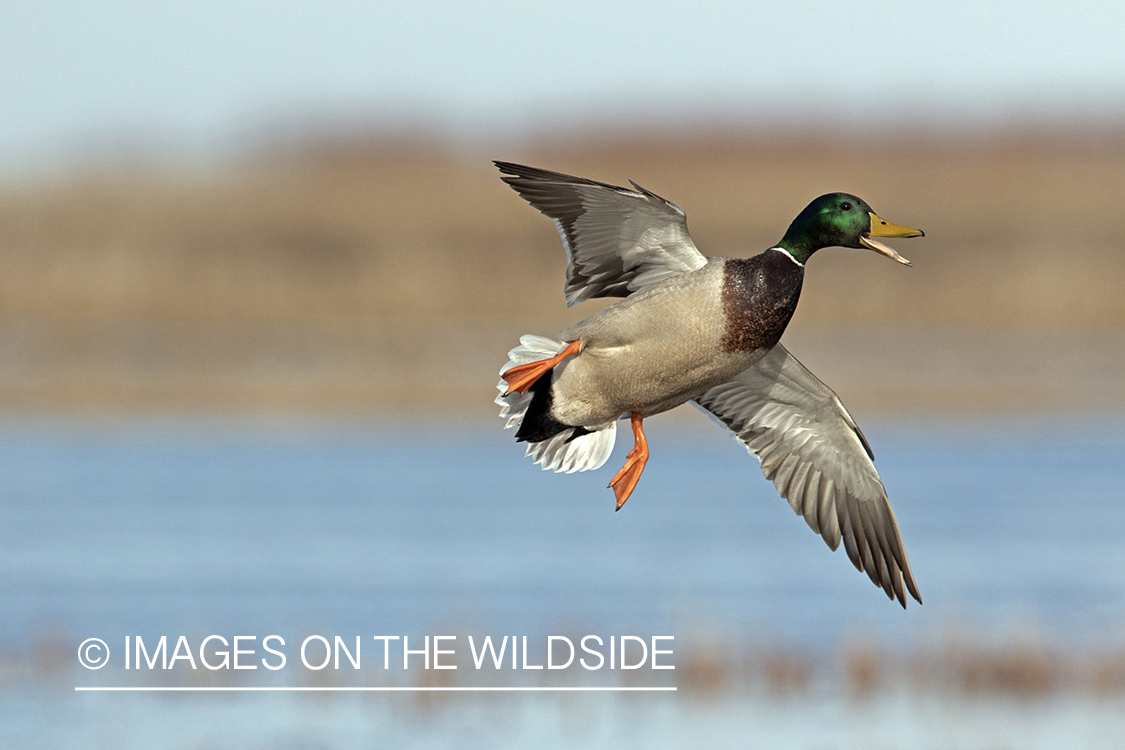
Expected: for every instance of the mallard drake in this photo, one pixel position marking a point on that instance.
(704, 330)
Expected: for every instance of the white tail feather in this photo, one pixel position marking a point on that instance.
(583, 453)
(558, 453)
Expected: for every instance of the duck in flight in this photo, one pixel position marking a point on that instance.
(703, 330)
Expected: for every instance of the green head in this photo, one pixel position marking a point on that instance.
(841, 220)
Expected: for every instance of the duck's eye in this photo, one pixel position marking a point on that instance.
(845, 207)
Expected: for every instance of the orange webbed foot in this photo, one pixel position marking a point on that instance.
(625, 480)
(522, 377)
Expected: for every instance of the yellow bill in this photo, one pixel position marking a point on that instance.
(882, 228)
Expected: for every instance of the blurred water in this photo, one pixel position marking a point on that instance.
(166, 527)
(123, 528)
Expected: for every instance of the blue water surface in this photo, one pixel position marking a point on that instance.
(164, 526)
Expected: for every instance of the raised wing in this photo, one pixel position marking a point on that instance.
(816, 456)
(619, 241)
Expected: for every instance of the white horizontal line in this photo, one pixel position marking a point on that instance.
(373, 689)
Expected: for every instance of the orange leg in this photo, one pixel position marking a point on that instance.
(625, 480)
(522, 377)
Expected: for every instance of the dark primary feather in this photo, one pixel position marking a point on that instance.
(814, 453)
(618, 240)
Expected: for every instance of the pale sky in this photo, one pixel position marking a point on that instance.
(207, 75)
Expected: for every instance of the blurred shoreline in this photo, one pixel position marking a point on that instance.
(309, 367)
(381, 275)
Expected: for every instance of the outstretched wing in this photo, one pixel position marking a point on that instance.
(816, 456)
(618, 240)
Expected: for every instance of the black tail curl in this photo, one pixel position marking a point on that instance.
(538, 424)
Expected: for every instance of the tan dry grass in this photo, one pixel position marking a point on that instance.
(350, 275)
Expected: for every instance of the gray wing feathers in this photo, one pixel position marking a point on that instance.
(816, 457)
(618, 240)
